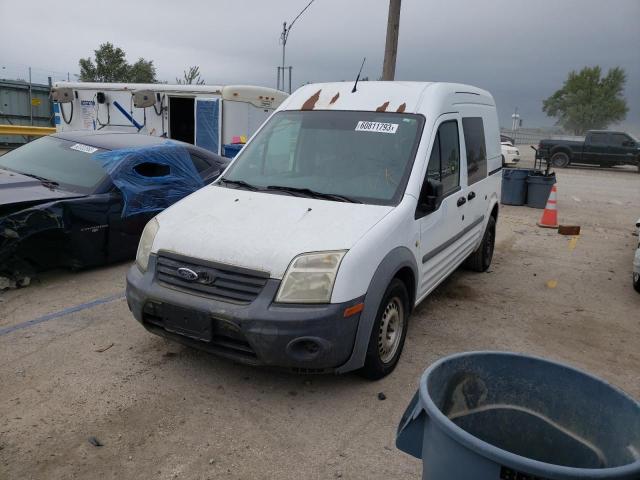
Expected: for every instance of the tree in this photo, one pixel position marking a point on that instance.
(588, 102)
(191, 77)
(111, 66)
(143, 71)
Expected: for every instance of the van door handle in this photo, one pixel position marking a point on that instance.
(461, 201)
(471, 196)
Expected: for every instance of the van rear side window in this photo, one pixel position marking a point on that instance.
(444, 162)
(476, 149)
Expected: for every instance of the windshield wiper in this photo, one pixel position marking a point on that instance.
(45, 181)
(239, 183)
(314, 194)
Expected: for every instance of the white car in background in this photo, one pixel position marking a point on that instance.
(510, 154)
(636, 262)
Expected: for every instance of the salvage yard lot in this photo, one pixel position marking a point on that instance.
(165, 411)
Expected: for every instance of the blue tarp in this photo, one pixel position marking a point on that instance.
(173, 176)
(207, 125)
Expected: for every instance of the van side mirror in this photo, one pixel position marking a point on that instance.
(430, 196)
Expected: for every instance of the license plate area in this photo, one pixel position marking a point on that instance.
(187, 322)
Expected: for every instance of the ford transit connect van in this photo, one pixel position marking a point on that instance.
(341, 214)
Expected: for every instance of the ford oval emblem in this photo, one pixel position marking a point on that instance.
(187, 274)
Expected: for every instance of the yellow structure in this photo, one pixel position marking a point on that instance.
(26, 130)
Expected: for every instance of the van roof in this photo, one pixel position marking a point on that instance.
(382, 96)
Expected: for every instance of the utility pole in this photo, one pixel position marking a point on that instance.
(283, 38)
(515, 124)
(391, 46)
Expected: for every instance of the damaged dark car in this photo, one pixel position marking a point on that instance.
(81, 199)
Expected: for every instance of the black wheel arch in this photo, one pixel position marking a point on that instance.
(561, 149)
(398, 263)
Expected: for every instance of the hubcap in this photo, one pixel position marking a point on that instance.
(560, 160)
(636, 277)
(391, 328)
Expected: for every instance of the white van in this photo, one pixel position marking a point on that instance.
(342, 213)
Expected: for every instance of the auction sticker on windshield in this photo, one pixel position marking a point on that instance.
(83, 148)
(378, 127)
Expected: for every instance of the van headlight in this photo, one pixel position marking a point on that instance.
(146, 242)
(310, 278)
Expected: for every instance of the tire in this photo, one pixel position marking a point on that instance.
(504, 163)
(385, 343)
(636, 281)
(560, 160)
(480, 260)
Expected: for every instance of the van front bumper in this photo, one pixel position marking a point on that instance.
(305, 338)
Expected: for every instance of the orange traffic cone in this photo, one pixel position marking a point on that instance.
(550, 215)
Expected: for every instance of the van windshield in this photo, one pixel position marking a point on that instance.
(354, 156)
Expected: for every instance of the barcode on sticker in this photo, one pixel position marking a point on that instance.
(378, 127)
(83, 148)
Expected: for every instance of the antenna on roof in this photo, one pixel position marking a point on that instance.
(358, 77)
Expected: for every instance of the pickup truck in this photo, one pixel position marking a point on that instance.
(598, 147)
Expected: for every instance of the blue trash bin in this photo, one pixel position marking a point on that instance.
(232, 149)
(538, 188)
(499, 415)
(514, 186)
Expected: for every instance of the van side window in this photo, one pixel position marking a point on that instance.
(444, 162)
(476, 149)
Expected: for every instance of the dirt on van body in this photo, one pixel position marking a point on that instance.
(159, 410)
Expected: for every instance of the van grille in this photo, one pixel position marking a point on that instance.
(222, 282)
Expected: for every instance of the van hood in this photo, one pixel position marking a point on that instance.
(261, 231)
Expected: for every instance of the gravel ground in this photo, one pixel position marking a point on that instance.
(165, 411)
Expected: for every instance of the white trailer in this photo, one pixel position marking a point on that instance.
(205, 115)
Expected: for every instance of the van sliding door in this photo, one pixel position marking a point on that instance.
(207, 115)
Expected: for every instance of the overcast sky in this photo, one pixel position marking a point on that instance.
(519, 50)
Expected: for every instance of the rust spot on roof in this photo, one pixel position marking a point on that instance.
(383, 107)
(402, 108)
(335, 98)
(311, 101)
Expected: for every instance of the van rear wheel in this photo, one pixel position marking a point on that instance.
(636, 281)
(480, 260)
(388, 332)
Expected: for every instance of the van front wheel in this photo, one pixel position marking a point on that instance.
(480, 260)
(388, 333)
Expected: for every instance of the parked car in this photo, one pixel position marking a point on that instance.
(79, 199)
(506, 140)
(341, 215)
(603, 148)
(636, 262)
(510, 154)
